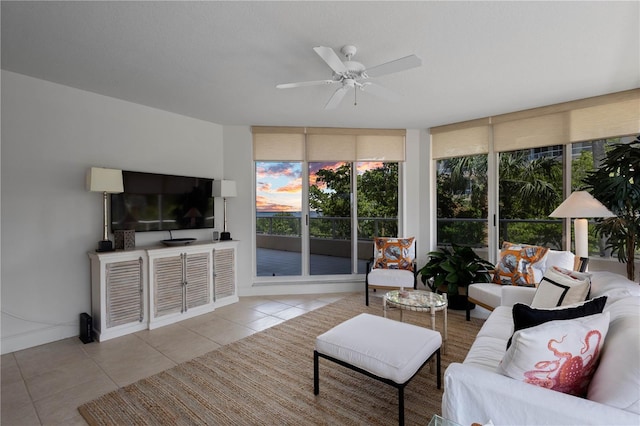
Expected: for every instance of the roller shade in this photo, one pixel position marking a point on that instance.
(331, 148)
(547, 130)
(599, 117)
(461, 139)
(387, 148)
(328, 144)
(278, 143)
(605, 121)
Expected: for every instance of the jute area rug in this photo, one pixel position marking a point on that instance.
(267, 379)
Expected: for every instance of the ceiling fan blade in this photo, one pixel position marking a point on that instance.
(401, 64)
(380, 91)
(337, 97)
(330, 57)
(305, 83)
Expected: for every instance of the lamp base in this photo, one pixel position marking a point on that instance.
(225, 236)
(105, 245)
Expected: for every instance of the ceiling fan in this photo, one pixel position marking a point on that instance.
(351, 74)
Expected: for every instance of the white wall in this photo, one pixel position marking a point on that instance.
(50, 135)
(238, 158)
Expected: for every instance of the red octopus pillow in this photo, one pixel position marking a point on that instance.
(515, 265)
(560, 355)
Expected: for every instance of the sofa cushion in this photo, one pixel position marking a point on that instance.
(561, 287)
(525, 316)
(612, 285)
(394, 253)
(559, 355)
(390, 278)
(487, 294)
(616, 382)
(515, 265)
(489, 345)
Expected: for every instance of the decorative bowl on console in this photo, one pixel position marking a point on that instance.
(178, 241)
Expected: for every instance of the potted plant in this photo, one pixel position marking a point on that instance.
(616, 184)
(450, 269)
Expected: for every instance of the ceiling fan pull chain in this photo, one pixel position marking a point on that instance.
(355, 96)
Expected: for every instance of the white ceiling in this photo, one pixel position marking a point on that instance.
(221, 61)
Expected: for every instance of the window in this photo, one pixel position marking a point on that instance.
(529, 189)
(530, 156)
(278, 207)
(318, 215)
(462, 201)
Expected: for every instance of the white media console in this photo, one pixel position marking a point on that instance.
(147, 288)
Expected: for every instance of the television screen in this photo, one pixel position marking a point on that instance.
(156, 202)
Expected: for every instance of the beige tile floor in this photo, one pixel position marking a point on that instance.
(44, 385)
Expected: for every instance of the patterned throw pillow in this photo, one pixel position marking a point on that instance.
(515, 265)
(394, 253)
(560, 355)
(561, 287)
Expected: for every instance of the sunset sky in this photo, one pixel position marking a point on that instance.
(279, 185)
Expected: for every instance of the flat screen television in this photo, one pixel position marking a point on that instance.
(157, 202)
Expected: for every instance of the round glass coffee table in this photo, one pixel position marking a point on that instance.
(419, 301)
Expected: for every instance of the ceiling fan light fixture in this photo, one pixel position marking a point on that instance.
(351, 74)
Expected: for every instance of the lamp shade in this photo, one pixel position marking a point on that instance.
(223, 188)
(104, 180)
(581, 204)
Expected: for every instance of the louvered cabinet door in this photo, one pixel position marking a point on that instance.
(224, 280)
(197, 274)
(124, 292)
(168, 290)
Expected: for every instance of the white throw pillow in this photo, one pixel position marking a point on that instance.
(561, 287)
(563, 259)
(560, 355)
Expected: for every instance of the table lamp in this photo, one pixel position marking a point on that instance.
(224, 189)
(107, 181)
(580, 205)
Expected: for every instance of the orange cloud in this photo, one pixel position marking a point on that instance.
(295, 186)
(265, 204)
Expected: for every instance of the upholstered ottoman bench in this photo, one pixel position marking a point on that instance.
(384, 349)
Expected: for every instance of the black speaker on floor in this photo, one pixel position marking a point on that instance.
(86, 334)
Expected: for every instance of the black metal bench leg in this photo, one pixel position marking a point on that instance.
(401, 405)
(366, 292)
(316, 381)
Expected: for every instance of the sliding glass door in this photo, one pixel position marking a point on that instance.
(320, 218)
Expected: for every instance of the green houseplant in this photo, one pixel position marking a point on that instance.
(454, 267)
(616, 184)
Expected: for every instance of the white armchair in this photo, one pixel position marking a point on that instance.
(392, 266)
(491, 295)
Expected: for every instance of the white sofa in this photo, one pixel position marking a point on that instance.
(475, 392)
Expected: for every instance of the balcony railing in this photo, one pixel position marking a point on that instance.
(335, 228)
